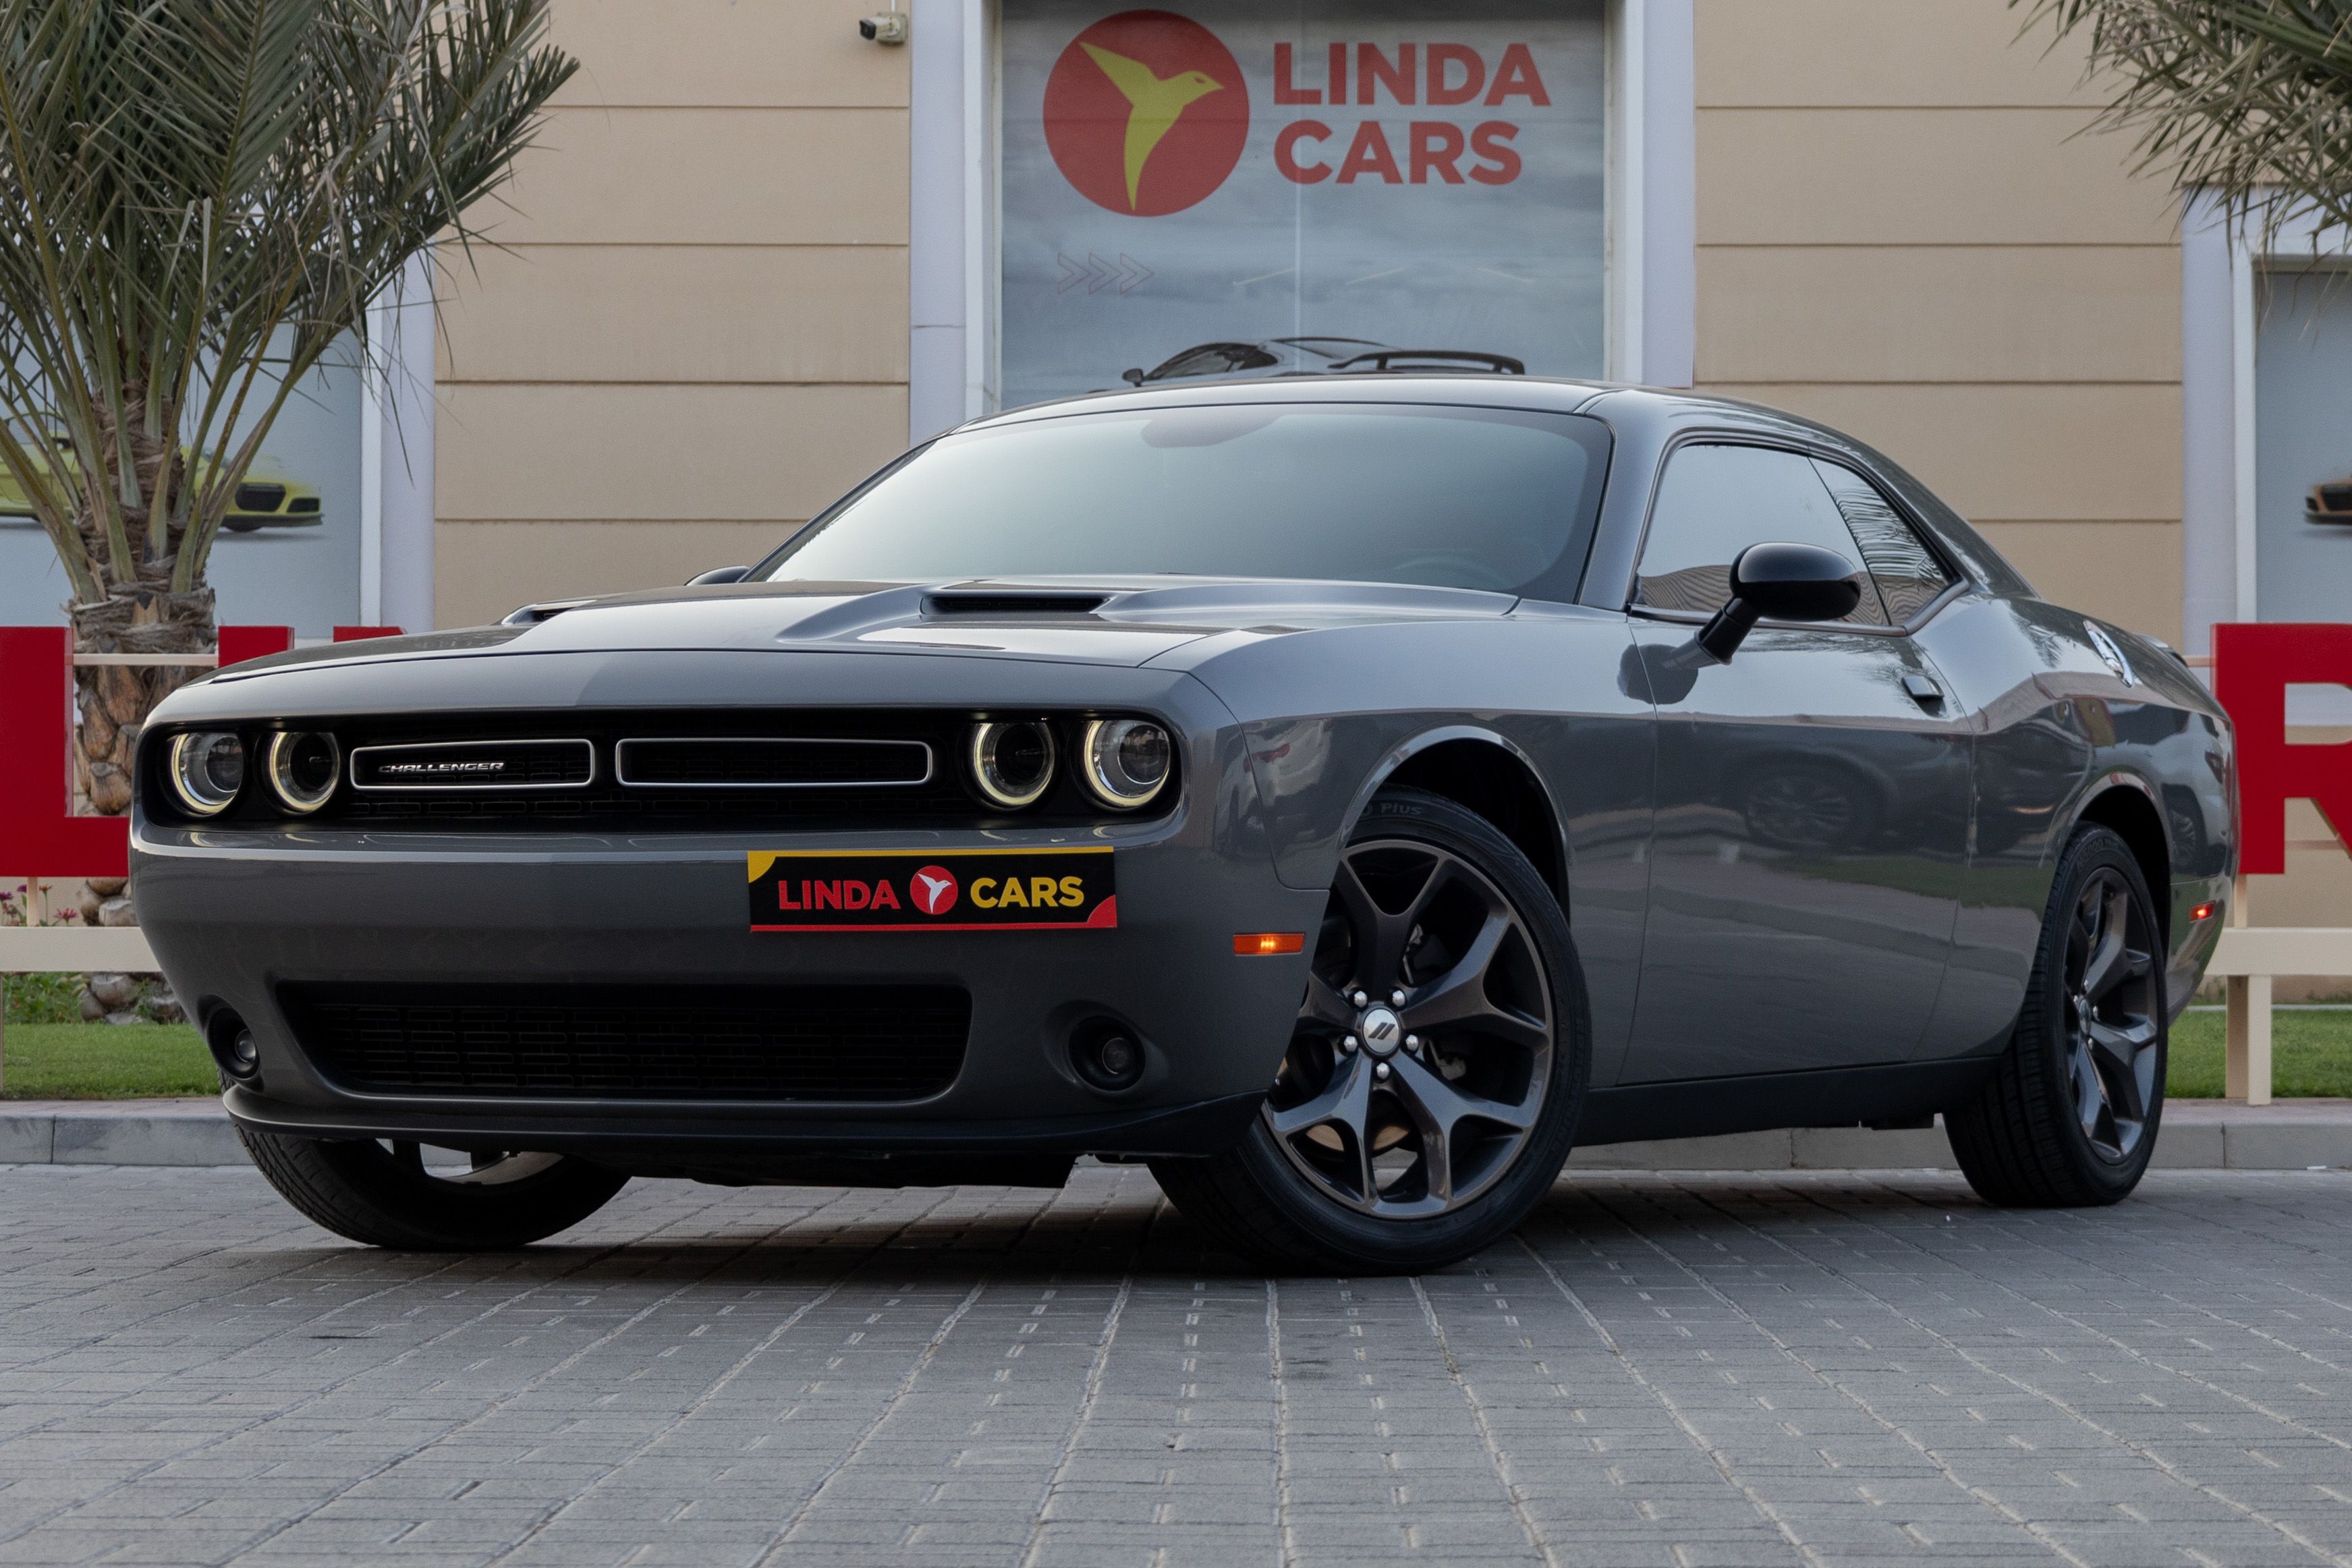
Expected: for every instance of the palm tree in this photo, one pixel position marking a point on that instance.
(198, 201)
(2249, 100)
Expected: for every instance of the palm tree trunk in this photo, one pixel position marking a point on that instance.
(114, 700)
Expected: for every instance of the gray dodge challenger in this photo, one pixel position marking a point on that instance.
(1344, 796)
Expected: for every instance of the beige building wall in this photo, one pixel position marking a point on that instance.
(694, 332)
(1901, 232)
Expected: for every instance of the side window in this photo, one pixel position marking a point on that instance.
(1716, 501)
(1908, 574)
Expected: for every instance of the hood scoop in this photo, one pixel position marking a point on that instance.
(949, 603)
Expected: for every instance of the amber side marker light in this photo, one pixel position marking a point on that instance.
(1268, 943)
(2201, 912)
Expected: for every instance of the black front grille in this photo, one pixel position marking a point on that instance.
(686, 771)
(261, 498)
(476, 765)
(634, 1042)
(764, 762)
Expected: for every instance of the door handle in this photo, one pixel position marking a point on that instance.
(1925, 691)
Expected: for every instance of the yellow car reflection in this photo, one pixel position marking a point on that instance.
(267, 497)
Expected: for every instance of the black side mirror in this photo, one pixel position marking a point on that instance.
(720, 574)
(1133, 376)
(1781, 583)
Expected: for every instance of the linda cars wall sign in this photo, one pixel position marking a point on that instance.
(1232, 190)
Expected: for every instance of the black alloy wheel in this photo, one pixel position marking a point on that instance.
(2070, 1114)
(1429, 1093)
(1424, 1043)
(2112, 1006)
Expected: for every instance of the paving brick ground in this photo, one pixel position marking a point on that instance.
(1815, 1368)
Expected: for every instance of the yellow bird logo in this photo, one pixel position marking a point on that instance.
(1153, 106)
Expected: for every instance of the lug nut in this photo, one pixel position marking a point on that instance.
(1381, 1071)
(1359, 998)
(1412, 1042)
(1348, 1043)
(1396, 998)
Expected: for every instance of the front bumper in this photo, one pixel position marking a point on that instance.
(233, 916)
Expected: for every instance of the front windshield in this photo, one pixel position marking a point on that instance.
(1445, 497)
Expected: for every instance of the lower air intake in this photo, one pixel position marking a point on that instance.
(868, 1043)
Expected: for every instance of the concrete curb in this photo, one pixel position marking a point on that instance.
(2198, 1135)
(116, 1132)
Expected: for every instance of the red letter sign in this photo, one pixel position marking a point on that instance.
(2253, 667)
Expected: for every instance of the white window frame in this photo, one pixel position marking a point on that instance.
(952, 275)
(2219, 266)
(397, 411)
(2221, 263)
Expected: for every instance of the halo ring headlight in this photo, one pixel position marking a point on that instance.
(303, 767)
(1126, 762)
(1013, 761)
(205, 768)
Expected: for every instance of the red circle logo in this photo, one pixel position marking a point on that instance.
(933, 888)
(1146, 112)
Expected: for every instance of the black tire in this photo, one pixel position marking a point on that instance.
(1270, 1197)
(2040, 1134)
(387, 1198)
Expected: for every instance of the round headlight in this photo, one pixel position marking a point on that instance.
(206, 770)
(1013, 763)
(302, 769)
(1127, 761)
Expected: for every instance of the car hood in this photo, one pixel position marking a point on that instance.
(1094, 620)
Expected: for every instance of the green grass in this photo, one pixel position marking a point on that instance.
(2311, 1056)
(105, 1061)
(43, 998)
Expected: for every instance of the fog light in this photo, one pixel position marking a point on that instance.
(231, 1044)
(1013, 763)
(1108, 1055)
(207, 768)
(303, 768)
(1127, 761)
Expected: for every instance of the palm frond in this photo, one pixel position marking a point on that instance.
(2249, 100)
(198, 201)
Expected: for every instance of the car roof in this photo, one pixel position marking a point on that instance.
(1650, 418)
(1524, 392)
(1619, 403)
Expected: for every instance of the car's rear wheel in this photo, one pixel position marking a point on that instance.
(386, 1195)
(2070, 1116)
(1437, 1068)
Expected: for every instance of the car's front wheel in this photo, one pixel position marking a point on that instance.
(385, 1194)
(2070, 1116)
(1434, 1075)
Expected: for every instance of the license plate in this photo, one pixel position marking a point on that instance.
(924, 890)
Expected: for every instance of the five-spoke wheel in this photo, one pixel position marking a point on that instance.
(2070, 1112)
(2112, 1006)
(1434, 1073)
(1424, 1044)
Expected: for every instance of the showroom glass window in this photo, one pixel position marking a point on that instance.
(1312, 181)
